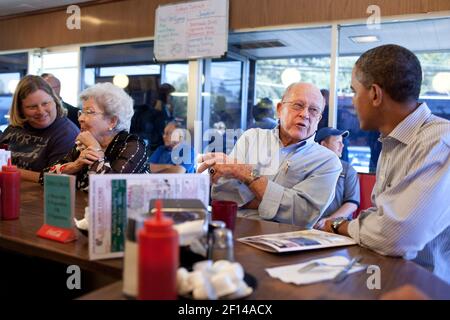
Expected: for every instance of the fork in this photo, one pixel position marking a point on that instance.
(316, 264)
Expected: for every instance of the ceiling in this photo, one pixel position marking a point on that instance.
(11, 7)
(424, 35)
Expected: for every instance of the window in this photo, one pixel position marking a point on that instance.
(222, 103)
(12, 68)
(281, 58)
(177, 75)
(64, 66)
(137, 73)
(274, 76)
(132, 66)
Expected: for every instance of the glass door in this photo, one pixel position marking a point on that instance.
(63, 64)
(224, 102)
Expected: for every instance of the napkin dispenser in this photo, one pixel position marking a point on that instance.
(191, 219)
(181, 210)
(190, 216)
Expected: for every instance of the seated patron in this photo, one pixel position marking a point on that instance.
(39, 134)
(410, 217)
(281, 174)
(175, 156)
(72, 112)
(264, 114)
(104, 144)
(346, 198)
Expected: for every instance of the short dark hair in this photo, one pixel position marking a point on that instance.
(394, 68)
(164, 91)
(263, 109)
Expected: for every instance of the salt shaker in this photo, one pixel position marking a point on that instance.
(130, 267)
(213, 225)
(223, 248)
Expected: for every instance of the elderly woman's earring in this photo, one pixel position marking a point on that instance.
(110, 128)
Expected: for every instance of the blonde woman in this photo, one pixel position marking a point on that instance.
(39, 134)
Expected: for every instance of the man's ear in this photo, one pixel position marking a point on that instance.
(279, 107)
(376, 94)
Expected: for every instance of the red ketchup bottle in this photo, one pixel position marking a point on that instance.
(158, 258)
(10, 192)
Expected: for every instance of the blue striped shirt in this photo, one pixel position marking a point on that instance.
(301, 178)
(410, 216)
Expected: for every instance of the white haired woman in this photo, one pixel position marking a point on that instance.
(104, 144)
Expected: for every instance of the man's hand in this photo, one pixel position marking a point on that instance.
(231, 171)
(222, 166)
(342, 229)
(320, 225)
(208, 160)
(327, 226)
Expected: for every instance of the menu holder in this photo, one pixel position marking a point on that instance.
(59, 208)
(113, 198)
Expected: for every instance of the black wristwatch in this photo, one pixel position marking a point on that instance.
(337, 223)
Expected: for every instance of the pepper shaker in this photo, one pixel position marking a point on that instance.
(223, 247)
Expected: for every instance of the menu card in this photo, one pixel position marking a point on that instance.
(59, 208)
(113, 198)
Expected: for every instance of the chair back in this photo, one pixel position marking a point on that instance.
(366, 183)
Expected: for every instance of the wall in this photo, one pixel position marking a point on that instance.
(127, 19)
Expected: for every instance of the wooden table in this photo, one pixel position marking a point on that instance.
(394, 271)
(20, 236)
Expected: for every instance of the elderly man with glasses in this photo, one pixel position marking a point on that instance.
(281, 174)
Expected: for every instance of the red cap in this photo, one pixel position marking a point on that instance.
(158, 223)
(9, 167)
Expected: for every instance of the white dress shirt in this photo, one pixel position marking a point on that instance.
(410, 216)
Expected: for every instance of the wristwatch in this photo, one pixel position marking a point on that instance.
(337, 223)
(254, 175)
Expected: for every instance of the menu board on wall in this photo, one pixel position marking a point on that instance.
(192, 30)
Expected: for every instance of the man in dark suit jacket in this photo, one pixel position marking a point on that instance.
(72, 112)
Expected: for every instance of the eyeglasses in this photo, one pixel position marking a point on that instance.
(298, 106)
(88, 113)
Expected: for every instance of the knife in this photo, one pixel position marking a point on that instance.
(344, 273)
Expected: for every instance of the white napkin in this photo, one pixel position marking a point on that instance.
(83, 223)
(290, 273)
(4, 156)
(189, 231)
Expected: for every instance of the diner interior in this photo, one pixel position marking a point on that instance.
(269, 46)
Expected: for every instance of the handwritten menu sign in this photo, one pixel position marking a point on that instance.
(193, 30)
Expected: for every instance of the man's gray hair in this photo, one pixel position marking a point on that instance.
(295, 84)
(114, 101)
